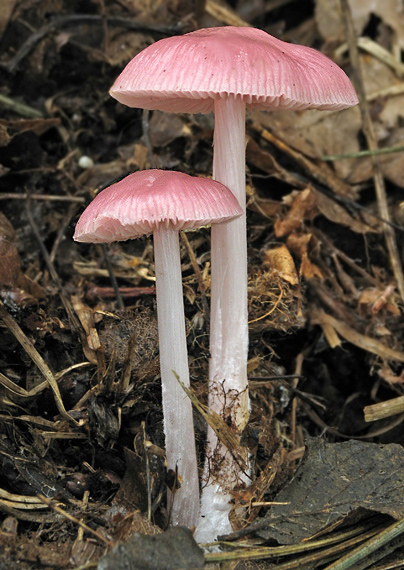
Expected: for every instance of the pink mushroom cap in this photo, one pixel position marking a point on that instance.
(151, 199)
(187, 73)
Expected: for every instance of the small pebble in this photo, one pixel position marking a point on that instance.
(85, 162)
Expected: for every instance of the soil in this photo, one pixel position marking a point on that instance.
(79, 371)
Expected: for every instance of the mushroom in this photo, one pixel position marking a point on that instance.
(225, 69)
(162, 203)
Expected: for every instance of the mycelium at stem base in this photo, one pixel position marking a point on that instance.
(184, 503)
(228, 384)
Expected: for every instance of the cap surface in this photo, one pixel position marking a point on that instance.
(186, 73)
(150, 199)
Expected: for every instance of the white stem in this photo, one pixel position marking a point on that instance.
(177, 408)
(228, 384)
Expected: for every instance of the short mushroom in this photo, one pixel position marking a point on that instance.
(225, 70)
(162, 203)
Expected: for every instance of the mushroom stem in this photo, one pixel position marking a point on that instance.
(228, 384)
(177, 408)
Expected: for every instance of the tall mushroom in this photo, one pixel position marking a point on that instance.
(162, 203)
(224, 70)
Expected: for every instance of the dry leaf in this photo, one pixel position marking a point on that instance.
(298, 244)
(262, 159)
(6, 9)
(10, 263)
(166, 127)
(328, 16)
(339, 215)
(281, 263)
(36, 126)
(303, 207)
(317, 133)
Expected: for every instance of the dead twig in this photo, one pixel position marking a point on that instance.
(112, 277)
(69, 310)
(319, 317)
(369, 132)
(197, 271)
(47, 197)
(383, 410)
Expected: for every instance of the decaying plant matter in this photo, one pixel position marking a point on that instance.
(82, 444)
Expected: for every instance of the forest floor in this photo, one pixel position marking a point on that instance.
(81, 427)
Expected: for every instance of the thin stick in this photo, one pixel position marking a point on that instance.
(61, 231)
(384, 409)
(368, 129)
(50, 197)
(148, 478)
(121, 304)
(197, 271)
(295, 402)
(67, 305)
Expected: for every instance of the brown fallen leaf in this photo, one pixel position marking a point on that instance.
(259, 158)
(92, 348)
(328, 16)
(339, 215)
(281, 263)
(6, 10)
(36, 126)
(298, 243)
(304, 207)
(14, 283)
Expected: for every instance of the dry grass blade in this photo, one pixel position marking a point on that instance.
(22, 393)
(19, 108)
(14, 388)
(24, 502)
(319, 549)
(34, 420)
(37, 359)
(364, 551)
(197, 271)
(229, 438)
